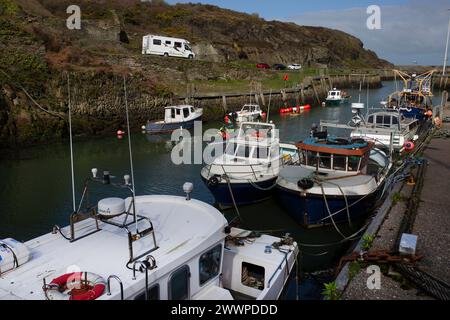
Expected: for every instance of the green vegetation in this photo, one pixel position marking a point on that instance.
(396, 197)
(331, 292)
(353, 269)
(367, 241)
(8, 7)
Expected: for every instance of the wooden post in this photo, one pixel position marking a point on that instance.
(224, 103)
(315, 91)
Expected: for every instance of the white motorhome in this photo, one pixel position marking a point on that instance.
(167, 46)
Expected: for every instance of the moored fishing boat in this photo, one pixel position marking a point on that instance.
(248, 113)
(175, 117)
(414, 100)
(337, 180)
(146, 247)
(247, 171)
(385, 128)
(336, 97)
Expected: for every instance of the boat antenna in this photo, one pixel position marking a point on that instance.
(71, 144)
(360, 88)
(367, 109)
(268, 108)
(446, 48)
(129, 149)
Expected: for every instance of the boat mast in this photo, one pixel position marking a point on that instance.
(71, 144)
(130, 151)
(446, 47)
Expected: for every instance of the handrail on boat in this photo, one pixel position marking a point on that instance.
(108, 285)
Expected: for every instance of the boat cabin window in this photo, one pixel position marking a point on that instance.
(370, 120)
(261, 153)
(209, 264)
(231, 149)
(243, 151)
(325, 160)
(178, 112)
(168, 42)
(302, 157)
(179, 284)
(311, 158)
(186, 112)
(333, 93)
(187, 47)
(353, 163)
(177, 45)
(339, 162)
(252, 275)
(156, 42)
(380, 120)
(394, 120)
(387, 121)
(192, 109)
(153, 294)
(172, 113)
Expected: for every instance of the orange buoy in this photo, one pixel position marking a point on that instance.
(307, 107)
(409, 146)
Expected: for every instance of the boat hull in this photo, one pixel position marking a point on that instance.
(335, 102)
(310, 210)
(155, 128)
(243, 193)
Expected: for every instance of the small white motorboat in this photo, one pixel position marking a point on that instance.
(175, 117)
(247, 171)
(248, 113)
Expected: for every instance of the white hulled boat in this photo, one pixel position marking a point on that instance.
(146, 247)
(247, 171)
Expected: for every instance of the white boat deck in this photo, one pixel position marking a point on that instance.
(350, 183)
(182, 228)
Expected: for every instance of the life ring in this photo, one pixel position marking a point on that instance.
(213, 181)
(76, 286)
(305, 183)
(409, 146)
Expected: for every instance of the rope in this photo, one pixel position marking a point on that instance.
(261, 188)
(329, 212)
(227, 179)
(34, 101)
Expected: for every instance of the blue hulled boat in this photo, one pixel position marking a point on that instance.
(249, 167)
(415, 99)
(337, 180)
(175, 117)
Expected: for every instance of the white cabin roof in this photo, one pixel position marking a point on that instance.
(182, 229)
(181, 106)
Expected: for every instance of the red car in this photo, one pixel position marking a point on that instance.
(263, 66)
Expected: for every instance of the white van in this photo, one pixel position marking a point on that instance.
(167, 46)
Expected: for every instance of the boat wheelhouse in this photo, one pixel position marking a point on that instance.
(175, 117)
(336, 97)
(246, 172)
(248, 113)
(387, 127)
(146, 248)
(337, 180)
(415, 98)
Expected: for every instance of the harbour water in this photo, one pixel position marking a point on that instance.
(35, 189)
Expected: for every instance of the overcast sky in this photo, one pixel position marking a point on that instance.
(412, 31)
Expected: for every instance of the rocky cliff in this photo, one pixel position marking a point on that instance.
(38, 50)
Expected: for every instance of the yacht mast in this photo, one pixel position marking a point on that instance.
(71, 145)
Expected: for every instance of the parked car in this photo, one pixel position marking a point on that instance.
(294, 66)
(263, 66)
(279, 66)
